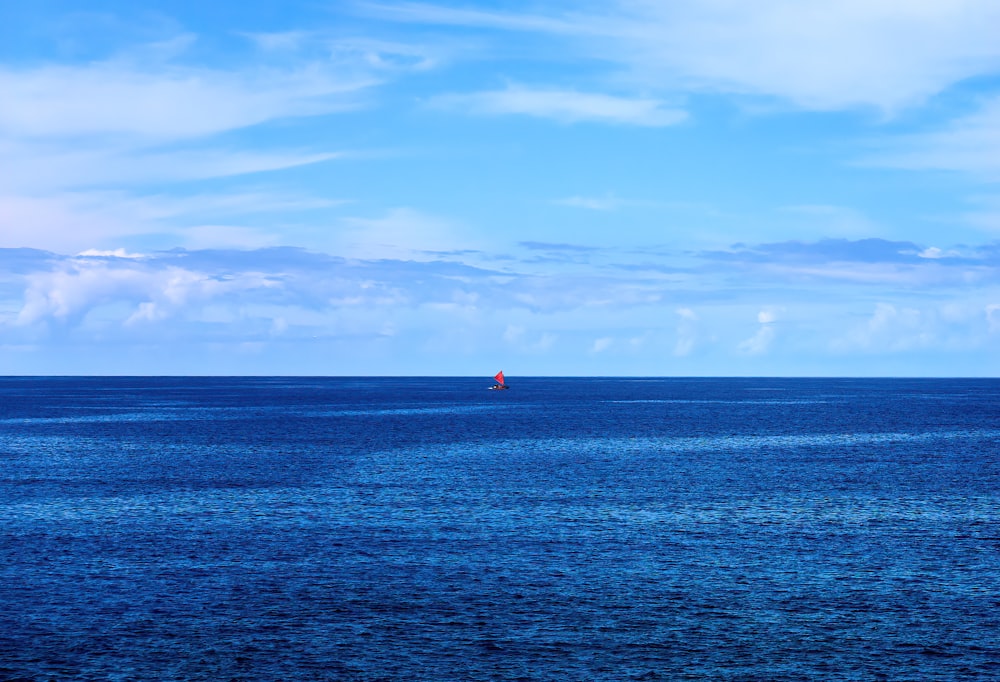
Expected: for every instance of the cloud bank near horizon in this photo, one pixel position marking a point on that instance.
(789, 294)
(697, 186)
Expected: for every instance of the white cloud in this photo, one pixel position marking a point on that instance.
(820, 55)
(387, 56)
(59, 295)
(66, 221)
(280, 41)
(513, 333)
(760, 342)
(829, 54)
(890, 328)
(567, 106)
(767, 316)
(992, 312)
(97, 220)
(428, 13)
(606, 203)
(687, 333)
(279, 325)
(41, 168)
(545, 341)
(821, 220)
(67, 295)
(299, 295)
(247, 202)
(147, 116)
(116, 253)
(602, 344)
(926, 274)
(225, 237)
(968, 144)
(517, 336)
(159, 103)
(401, 233)
(146, 312)
(984, 214)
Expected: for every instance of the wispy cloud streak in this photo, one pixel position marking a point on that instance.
(568, 106)
(889, 56)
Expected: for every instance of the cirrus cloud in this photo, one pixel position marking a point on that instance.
(567, 106)
(824, 55)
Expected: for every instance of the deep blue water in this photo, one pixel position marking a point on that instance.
(570, 529)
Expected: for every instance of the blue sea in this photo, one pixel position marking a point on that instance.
(565, 529)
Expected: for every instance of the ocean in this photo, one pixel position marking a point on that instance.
(565, 529)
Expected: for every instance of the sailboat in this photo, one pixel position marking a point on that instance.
(499, 385)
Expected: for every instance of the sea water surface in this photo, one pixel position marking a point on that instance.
(565, 529)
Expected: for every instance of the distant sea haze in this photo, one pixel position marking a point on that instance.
(565, 529)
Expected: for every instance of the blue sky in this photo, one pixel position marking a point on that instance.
(623, 187)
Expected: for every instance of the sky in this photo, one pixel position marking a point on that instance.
(612, 188)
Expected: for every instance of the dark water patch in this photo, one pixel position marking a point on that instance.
(330, 529)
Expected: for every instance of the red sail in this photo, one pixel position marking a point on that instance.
(499, 377)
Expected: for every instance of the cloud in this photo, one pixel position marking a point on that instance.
(554, 247)
(602, 344)
(984, 215)
(767, 316)
(822, 251)
(146, 114)
(289, 295)
(872, 250)
(190, 287)
(250, 201)
(860, 263)
(566, 106)
(390, 56)
(280, 41)
(825, 55)
(400, 233)
(426, 13)
(117, 253)
(591, 203)
(992, 312)
(968, 144)
(931, 252)
(792, 266)
(519, 337)
(65, 221)
(759, 343)
(80, 220)
(68, 293)
(163, 103)
(185, 285)
(546, 341)
(831, 221)
(959, 325)
(226, 236)
(37, 168)
(513, 333)
(890, 328)
(687, 334)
